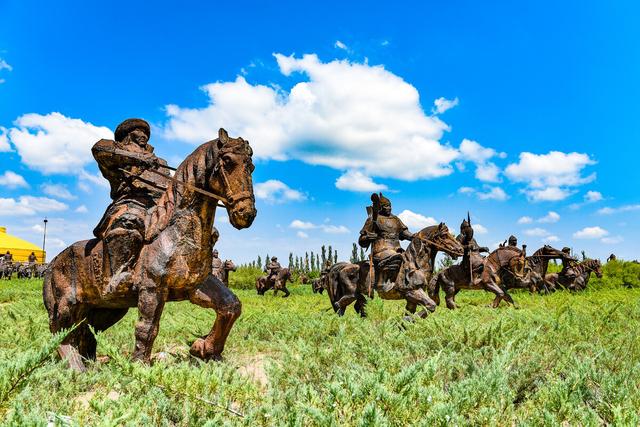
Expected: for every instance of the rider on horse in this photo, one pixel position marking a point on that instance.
(383, 231)
(272, 269)
(472, 250)
(127, 163)
(568, 273)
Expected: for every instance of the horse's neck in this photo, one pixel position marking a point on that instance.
(538, 262)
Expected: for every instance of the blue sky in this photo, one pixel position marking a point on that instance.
(526, 116)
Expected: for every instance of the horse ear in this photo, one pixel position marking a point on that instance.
(223, 136)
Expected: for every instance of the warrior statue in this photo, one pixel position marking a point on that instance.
(128, 164)
(217, 266)
(472, 261)
(272, 268)
(33, 259)
(383, 231)
(568, 273)
(513, 241)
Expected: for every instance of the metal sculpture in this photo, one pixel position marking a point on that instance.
(95, 282)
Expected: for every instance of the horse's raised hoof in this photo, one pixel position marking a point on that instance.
(408, 319)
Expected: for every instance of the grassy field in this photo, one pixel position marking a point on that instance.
(562, 358)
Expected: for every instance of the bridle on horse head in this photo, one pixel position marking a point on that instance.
(231, 199)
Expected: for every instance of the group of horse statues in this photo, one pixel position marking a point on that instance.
(21, 270)
(155, 244)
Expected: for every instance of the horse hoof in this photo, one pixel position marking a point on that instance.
(409, 319)
(198, 349)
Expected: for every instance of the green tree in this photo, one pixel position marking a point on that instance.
(324, 255)
(290, 260)
(259, 262)
(354, 254)
(362, 255)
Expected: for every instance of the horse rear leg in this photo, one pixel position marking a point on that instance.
(213, 294)
(150, 305)
(64, 312)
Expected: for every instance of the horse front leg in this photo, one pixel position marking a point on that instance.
(151, 301)
(419, 297)
(213, 294)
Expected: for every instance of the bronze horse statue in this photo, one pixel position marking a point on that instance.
(263, 283)
(223, 272)
(347, 282)
(173, 265)
(457, 277)
(583, 273)
(503, 264)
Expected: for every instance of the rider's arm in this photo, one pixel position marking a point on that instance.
(367, 234)
(108, 154)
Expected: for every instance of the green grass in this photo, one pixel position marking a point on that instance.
(562, 358)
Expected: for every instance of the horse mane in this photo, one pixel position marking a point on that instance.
(192, 170)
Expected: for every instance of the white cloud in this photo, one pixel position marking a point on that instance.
(442, 104)
(536, 232)
(12, 180)
(525, 220)
(334, 117)
(593, 196)
(590, 233)
(29, 205)
(82, 209)
(339, 45)
(96, 179)
(486, 171)
(492, 193)
(302, 235)
(357, 181)
(4, 65)
(57, 190)
(549, 218)
(4, 140)
(489, 193)
(480, 229)
(551, 239)
(327, 228)
(302, 225)
(612, 240)
(416, 221)
(626, 208)
(335, 229)
(548, 176)
(550, 194)
(54, 143)
(274, 191)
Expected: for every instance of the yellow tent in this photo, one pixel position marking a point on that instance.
(20, 249)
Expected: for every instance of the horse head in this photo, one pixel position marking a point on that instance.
(439, 237)
(596, 267)
(229, 265)
(232, 179)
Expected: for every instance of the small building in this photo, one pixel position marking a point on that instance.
(19, 248)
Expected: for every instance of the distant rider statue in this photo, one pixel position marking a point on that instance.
(217, 266)
(272, 269)
(128, 164)
(471, 260)
(568, 273)
(383, 231)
